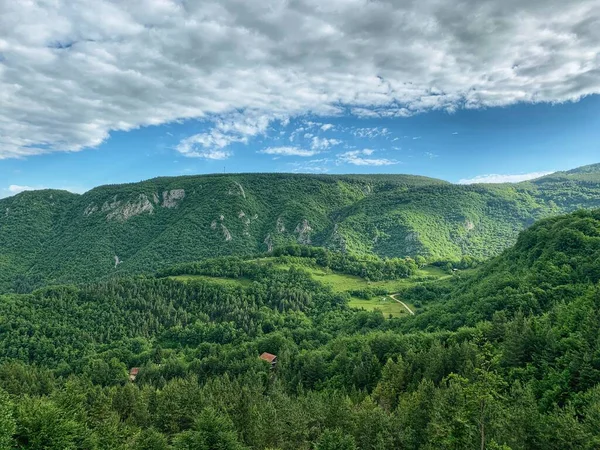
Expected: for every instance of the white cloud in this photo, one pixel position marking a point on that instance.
(288, 151)
(213, 144)
(72, 72)
(318, 143)
(370, 133)
(356, 157)
(497, 178)
(16, 189)
(206, 145)
(326, 126)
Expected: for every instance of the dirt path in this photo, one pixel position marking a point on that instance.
(403, 304)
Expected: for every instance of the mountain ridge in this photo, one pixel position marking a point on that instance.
(57, 236)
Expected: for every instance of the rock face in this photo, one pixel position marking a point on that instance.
(122, 212)
(338, 240)
(280, 225)
(226, 233)
(269, 243)
(110, 206)
(237, 189)
(91, 209)
(303, 229)
(172, 198)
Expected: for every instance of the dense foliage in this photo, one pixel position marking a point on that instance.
(504, 357)
(53, 236)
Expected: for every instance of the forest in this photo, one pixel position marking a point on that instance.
(505, 355)
(56, 237)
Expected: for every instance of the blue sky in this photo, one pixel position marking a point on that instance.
(515, 140)
(112, 92)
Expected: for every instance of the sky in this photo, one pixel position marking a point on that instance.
(95, 92)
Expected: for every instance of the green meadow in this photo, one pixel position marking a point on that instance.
(341, 282)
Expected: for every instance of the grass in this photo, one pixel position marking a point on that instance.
(386, 305)
(341, 282)
(231, 282)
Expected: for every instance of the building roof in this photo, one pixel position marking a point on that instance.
(134, 371)
(268, 357)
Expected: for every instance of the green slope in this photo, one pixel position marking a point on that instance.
(552, 263)
(509, 360)
(51, 236)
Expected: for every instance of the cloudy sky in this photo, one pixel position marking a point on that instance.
(97, 91)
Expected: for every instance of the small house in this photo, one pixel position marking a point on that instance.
(271, 359)
(133, 373)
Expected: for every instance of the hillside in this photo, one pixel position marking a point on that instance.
(52, 236)
(552, 263)
(503, 357)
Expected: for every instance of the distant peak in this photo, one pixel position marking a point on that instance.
(592, 168)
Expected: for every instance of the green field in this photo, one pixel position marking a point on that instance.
(340, 282)
(385, 304)
(219, 280)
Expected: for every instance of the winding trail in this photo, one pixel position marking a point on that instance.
(403, 304)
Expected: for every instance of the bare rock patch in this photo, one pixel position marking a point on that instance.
(303, 229)
(172, 198)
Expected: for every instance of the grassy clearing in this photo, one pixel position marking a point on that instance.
(232, 282)
(341, 282)
(386, 305)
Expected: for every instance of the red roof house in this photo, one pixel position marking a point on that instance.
(268, 357)
(133, 373)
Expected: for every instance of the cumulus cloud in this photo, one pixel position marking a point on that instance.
(16, 189)
(213, 144)
(288, 151)
(72, 72)
(318, 143)
(497, 178)
(357, 158)
(206, 145)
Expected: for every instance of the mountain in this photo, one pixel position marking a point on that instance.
(505, 356)
(552, 263)
(55, 236)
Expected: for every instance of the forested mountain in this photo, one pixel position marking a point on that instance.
(53, 236)
(505, 356)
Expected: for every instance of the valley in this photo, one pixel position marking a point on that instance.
(58, 237)
(140, 323)
(362, 293)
